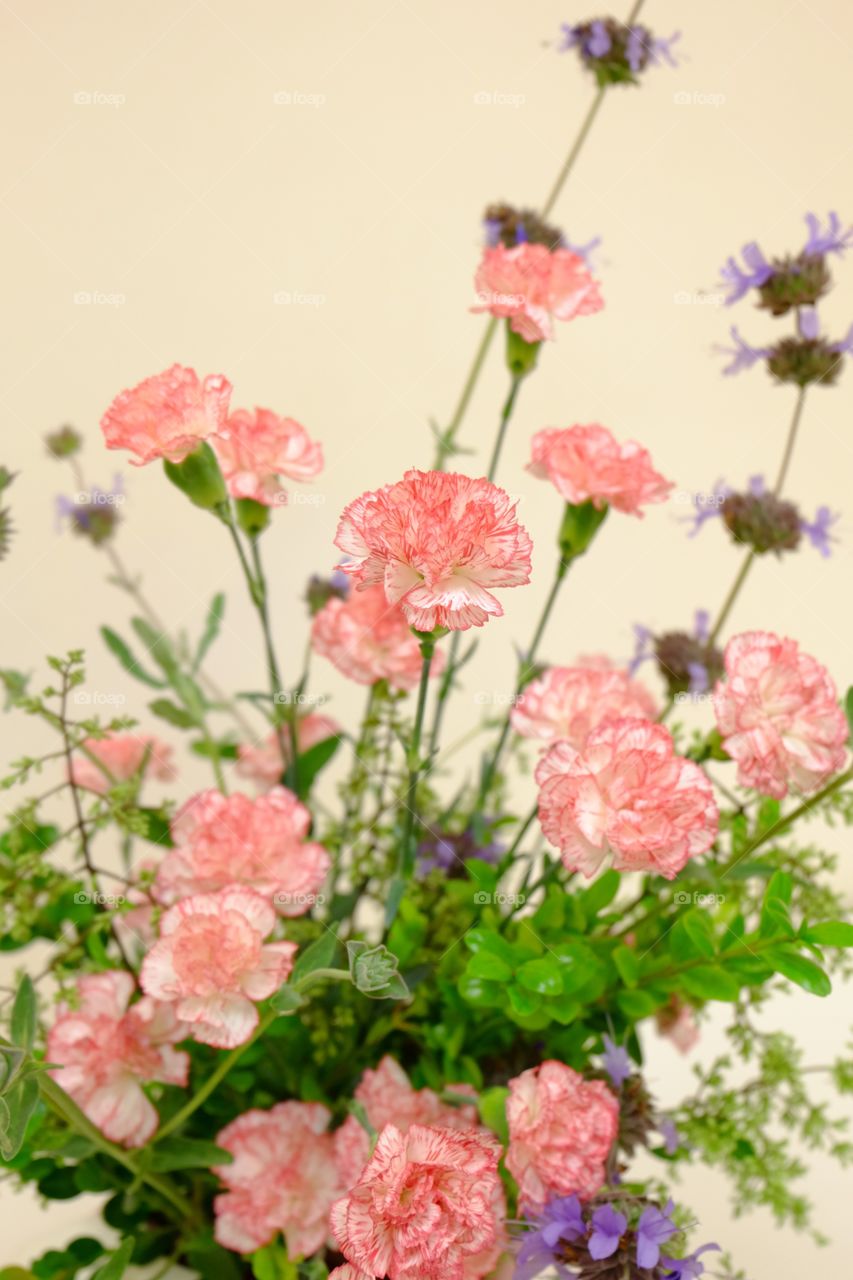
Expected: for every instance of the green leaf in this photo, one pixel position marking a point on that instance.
(16, 1273)
(543, 976)
(487, 940)
(484, 964)
(848, 709)
(23, 1024)
(155, 826)
(710, 983)
(627, 965)
(313, 760)
(212, 623)
(522, 1000)
(805, 973)
(272, 1263)
(115, 1268)
(158, 645)
(491, 1105)
(481, 993)
(287, 999)
(18, 1105)
(637, 1004)
(186, 1153)
(318, 955)
(173, 714)
(831, 933)
(125, 656)
(600, 894)
(780, 886)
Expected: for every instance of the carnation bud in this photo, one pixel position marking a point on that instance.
(252, 517)
(796, 282)
(681, 656)
(804, 360)
(199, 477)
(521, 356)
(321, 590)
(763, 521)
(579, 527)
(64, 442)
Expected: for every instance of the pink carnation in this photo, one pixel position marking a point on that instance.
(229, 840)
(567, 703)
(561, 1129)
(778, 715)
(533, 285)
(587, 464)
(168, 415)
(428, 1206)
(282, 1178)
(122, 755)
(260, 447)
(262, 761)
(438, 543)
(369, 639)
(211, 963)
(106, 1051)
(627, 794)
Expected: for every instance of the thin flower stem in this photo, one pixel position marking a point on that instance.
(772, 833)
(445, 445)
(407, 851)
(506, 414)
(569, 162)
(790, 442)
(734, 592)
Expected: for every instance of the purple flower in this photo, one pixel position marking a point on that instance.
(634, 49)
(845, 344)
(660, 49)
(449, 853)
(671, 1138)
(808, 323)
(739, 280)
(598, 43)
(607, 1229)
(818, 530)
(687, 1268)
(561, 1219)
(832, 240)
(584, 251)
(743, 355)
(617, 1064)
(654, 1229)
(707, 506)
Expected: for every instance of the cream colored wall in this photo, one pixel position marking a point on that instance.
(188, 164)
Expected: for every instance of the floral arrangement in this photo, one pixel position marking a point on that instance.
(395, 1028)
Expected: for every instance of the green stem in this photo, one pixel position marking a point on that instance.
(790, 442)
(287, 731)
(506, 414)
(575, 150)
(352, 809)
(734, 592)
(408, 846)
(772, 833)
(445, 445)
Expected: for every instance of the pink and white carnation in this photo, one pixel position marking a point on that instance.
(561, 1130)
(778, 715)
(429, 1205)
(567, 703)
(211, 963)
(626, 796)
(235, 840)
(282, 1179)
(368, 639)
(588, 464)
(259, 448)
(532, 286)
(438, 543)
(168, 415)
(263, 763)
(105, 1049)
(123, 755)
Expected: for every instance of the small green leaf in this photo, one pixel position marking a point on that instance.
(484, 964)
(125, 656)
(600, 894)
(805, 973)
(709, 982)
(173, 714)
(115, 1268)
(23, 1024)
(272, 1263)
(313, 760)
(287, 999)
(186, 1153)
(522, 1000)
(848, 709)
(212, 623)
(155, 826)
(318, 955)
(627, 964)
(543, 976)
(16, 1107)
(830, 933)
(491, 1105)
(487, 940)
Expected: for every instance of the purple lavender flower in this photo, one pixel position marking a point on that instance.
(832, 240)
(769, 524)
(654, 1229)
(615, 53)
(660, 49)
(743, 356)
(608, 1226)
(666, 1127)
(687, 1268)
(758, 272)
(449, 853)
(686, 660)
(561, 1219)
(808, 323)
(92, 514)
(598, 42)
(818, 530)
(617, 1064)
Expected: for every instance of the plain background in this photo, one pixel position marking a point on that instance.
(292, 195)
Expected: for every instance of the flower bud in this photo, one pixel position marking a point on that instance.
(63, 443)
(579, 527)
(252, 517)
(763, 522)
(509, 226)
(805, 360)
(796, 282)
(321, 590)
(521, 356)
(199, 477)
(687, 662)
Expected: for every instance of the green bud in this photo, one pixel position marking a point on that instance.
(580, 525)
(199, 477)
(252, 517)
(521, 356)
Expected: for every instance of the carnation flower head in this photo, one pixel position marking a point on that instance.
(211, 963)
(429, 1204)
(532, 286)
(168, 415)
(259, 448)
(778, 715)
(262, 762)
(626, 796)
(588, 464)
(282, 1178)
(438, 543)
(567, 703)
(561, 1129)
(123, 755)
(261, 843)
(105, 1049)
(368, 639)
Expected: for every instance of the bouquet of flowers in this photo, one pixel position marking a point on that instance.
(394, 1027)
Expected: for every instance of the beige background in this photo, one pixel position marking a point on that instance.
(150, 167)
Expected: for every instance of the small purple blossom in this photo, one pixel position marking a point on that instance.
(666, 1127)
(608, 1226)
(598, 43)
(743, 356)
(845, 345)
(818, 530)
(660, 50)
(808, 323)
(449, 853)
(687, 1268)
(617, 1064)
(654, 1229)
(561, 1219)
(740, 280)
(831, 240)
(493, 227)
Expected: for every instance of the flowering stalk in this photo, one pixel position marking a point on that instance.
(408, 846)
